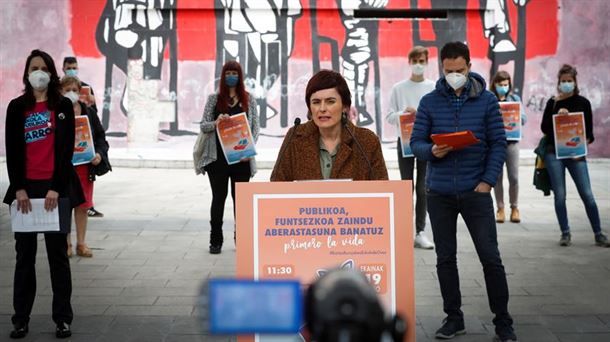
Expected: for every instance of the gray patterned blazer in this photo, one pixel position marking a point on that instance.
(208, 129)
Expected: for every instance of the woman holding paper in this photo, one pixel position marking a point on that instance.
(329, 145)
(231, 99)
(568, 100)
(501, 85)
(39, 148)
(71, 87)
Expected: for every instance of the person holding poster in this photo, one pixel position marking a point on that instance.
(231, 99)
(459, 183)
(568, 100)
(329, 146)
(403, 104)
(39, 147)
(86, 172)
(502, 86)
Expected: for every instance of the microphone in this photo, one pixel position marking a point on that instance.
(368, 162)
(297, 122)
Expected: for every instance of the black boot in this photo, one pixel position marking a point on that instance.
(216, 237)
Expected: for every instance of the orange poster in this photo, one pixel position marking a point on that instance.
(511, 115)
(570, 135)
(236, 138)
(406, 128)
(300, 230)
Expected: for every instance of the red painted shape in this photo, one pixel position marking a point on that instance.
(85, 15)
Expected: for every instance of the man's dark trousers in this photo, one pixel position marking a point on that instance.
(477, 211)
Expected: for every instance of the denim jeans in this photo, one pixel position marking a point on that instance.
(405, 165)
(478, 214)
(580, 174)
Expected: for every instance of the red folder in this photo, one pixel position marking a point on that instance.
(456, 140)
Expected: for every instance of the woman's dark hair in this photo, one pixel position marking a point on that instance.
(327, 79)
(499, 77)
(224, 99)
(567, 69)
(453, 50)
(53, 91)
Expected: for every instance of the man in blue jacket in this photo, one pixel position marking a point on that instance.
(460, 181)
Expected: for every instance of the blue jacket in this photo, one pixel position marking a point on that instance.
(462, 170)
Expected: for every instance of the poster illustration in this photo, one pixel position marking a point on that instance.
(236, 138)
(511, 114)
(84, 150)
(570, 136)
(406, 128)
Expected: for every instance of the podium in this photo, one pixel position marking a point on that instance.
(300, 230)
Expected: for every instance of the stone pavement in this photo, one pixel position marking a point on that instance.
(150, 259)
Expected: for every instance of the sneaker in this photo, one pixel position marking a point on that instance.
(514, 215)
(601, 240)
(500, 215)
(63, 330)
(20, 330)
(565, 240)
(450, 329)
(421, 241)
(505, 334)
(91, 212)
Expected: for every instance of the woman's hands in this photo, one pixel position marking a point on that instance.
(97, 159)
(23, 201)
(222, 117)
(50, 200)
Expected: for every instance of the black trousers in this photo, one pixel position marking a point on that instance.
(219, 173)
(24, 287)
(405, 165)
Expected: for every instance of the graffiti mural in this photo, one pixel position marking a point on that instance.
(167, 54)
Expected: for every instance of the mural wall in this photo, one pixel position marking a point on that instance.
(156, 61)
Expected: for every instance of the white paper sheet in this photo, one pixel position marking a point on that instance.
(37, 220)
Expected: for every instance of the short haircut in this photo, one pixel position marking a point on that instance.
(70, 60)
(455, 50)
(327, 79)
(567, 69)
(68, 80)
(417, 51)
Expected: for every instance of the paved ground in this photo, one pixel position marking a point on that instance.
(151, 258)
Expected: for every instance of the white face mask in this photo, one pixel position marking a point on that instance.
(418, 69)
(73, 96)
(39, 79)
(455, 80)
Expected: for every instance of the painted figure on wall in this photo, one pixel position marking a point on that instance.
(360, 49)
(138, 29)
(260, 35)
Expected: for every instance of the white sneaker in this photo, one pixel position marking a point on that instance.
(421, 241)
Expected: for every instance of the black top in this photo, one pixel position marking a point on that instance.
(64, 181)
(573, 104)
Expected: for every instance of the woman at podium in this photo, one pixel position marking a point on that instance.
(329, 146)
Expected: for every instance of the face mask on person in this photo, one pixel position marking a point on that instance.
(39, 79)
(418, 69)
(566, 87)
(72, 72)
(455, 80)
(502, 90)
(73, 96)
(231, 80)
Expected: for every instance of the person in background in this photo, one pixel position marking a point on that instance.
(70, 68)
(39, 147)
(329, 146)
(569, 100)
(405, 99)
(459, 183)
(231, 99)
(71, 89)
(501, 85)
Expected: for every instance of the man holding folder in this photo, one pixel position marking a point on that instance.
(459, 181)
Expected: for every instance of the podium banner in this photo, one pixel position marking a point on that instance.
(301, 230)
